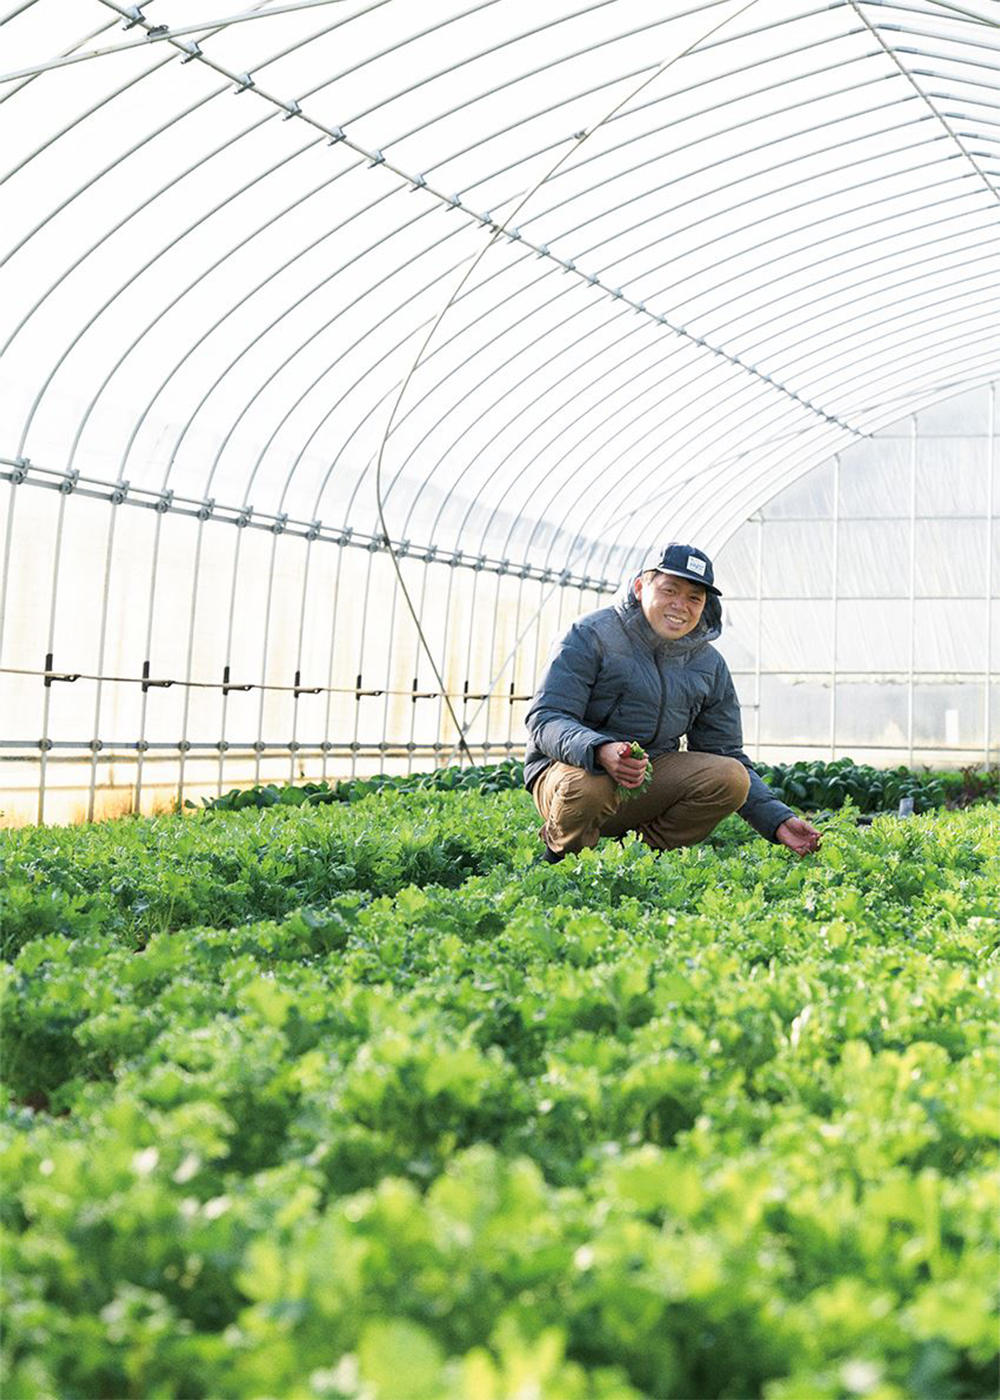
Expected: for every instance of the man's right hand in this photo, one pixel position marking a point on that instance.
(616, 758)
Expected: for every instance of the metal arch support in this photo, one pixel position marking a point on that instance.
(230, 78)
(256, 340)
(372, 330)
(761, 492)
(411, 411)
(542, 511)
(160, 34)
(101, 29)
(234, 196)
(393, 349)
(803, 360)
(673, 350)
(107, 1)
(751, 486)
(770, 408)
(137, 209)
(748, 227)
(758, 488)
(680, 419)
(276, 272)
(574, 97)
(952, 250)
(968, 328)
(492, 406)
(508, 329)
(110, 301)
(57, 136)
(876, 31)
(455, 109)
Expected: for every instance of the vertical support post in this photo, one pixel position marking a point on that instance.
(418, 661)
(445, 649)
(148, 655)
(5, 572)
(298, 658)
(835, 603)
(759, 635)
(913, 588)
(50, 648)
(468, 660)
(263, 658)
(543, 598)
(227, 660)
(991, 469)
(514, 676)
(192, 616)
(361, 667)
(562, 602)
(102, 641)
(387, 698)
(490, 663)
(8, 541)
(333, 652)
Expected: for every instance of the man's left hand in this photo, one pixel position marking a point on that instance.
(798, 835)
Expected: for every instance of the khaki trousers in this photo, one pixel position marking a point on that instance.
(688, 797)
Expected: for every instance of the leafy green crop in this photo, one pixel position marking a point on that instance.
(814, 785)
(355, 1101)
(810, 785)
(494, 777)
(636, 751)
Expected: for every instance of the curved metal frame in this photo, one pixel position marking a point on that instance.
(796, 381)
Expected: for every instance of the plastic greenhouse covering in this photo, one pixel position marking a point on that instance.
(351, 348)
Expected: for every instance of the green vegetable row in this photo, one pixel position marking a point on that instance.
(811, 785)
(627, 1128)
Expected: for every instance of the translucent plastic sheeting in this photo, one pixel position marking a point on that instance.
(862, 604)
(611, 273)
(724, 239)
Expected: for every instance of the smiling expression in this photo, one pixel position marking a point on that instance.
(671, 605)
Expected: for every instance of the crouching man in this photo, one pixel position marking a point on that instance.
(644, 670)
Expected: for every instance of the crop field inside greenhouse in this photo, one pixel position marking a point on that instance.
(361, 1100)
(499, 700)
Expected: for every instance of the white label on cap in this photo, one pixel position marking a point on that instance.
(697, 566)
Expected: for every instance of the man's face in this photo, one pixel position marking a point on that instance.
(672, 606)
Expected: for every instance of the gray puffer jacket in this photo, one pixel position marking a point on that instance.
(610, 677)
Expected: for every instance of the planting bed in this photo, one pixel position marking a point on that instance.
(358, 1102)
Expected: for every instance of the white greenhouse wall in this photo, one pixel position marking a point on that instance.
(861, 619)
(862, 614)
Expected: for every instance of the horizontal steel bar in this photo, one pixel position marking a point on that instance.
(159, 34)
(841, 597)
(121, 752)
(152, 682)
(846, 519)
(24, 472)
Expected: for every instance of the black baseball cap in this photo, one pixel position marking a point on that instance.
(687, 562)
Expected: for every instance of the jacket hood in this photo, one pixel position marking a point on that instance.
(709, 628)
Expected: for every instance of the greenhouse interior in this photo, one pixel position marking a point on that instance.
(391, 398)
